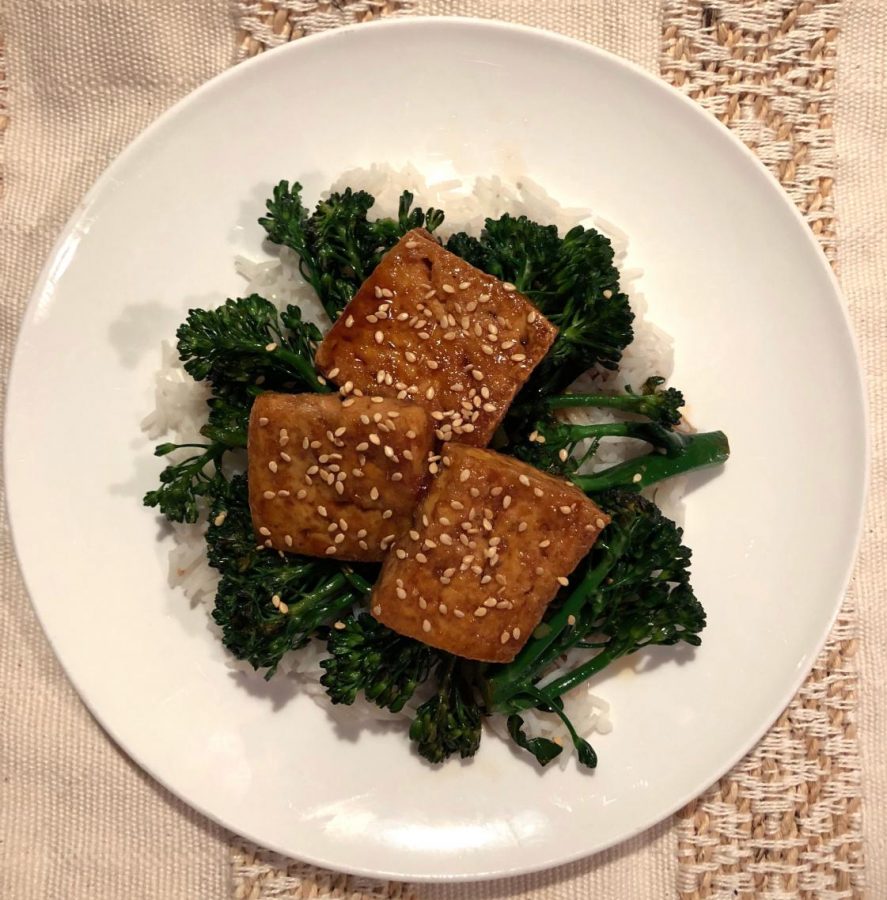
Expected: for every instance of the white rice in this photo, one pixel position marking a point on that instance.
(180, 403)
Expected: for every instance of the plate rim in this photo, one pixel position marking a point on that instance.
(47, 278)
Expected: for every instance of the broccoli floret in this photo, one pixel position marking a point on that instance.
(572, 280)
(245, 342)
(366, 657)
(338, 244)
(310, 592)
(450, 722)
(632, 591)
(242, 348)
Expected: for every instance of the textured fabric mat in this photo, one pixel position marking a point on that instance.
(78, 819)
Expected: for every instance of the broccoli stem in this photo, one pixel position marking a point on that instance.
(512, 689)
(690, 452)
(630, 403)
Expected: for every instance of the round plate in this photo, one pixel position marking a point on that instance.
(763, 351)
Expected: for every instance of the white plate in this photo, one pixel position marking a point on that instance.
(763, 351)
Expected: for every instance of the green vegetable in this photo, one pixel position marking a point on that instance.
(450, 722)
(631, 592)
(338, 244)
(572, 280)
(556, 446)
(660, 406)
(242, 348)
(314, 592)
(366, 657)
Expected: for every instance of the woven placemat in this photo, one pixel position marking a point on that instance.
(786, 822)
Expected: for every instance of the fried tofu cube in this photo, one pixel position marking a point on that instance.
(491, 544)
(428, 327)
(334, 477)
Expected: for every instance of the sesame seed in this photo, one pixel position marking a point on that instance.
(446, 540)
(432, 364)
(286, 457)
(288, 540)
(421, 558)
(386, 292)
(531, 317)
(464, 475)
(302, 494)
(263, 421)
(522, 527)
(363, 545)
(374, 493)
(340, 488)
(474, 492)
(480, 612)
(430, 294)
(483, 298)
(566, 510)
(490, 602)
(264, 531)
(273, 466)
(449, 289)
(375, 439)
(571, 620)
(397, 476)
(378, 292)
(524, 480)
(411, 245)
(429, 394)
(538, 492)
(377, 609)
(563, 455)
(450, 336)
(599, 522)
(457, 505)
(339, 538)
(515, 633)
(508, 286)
(426, 625)
(477, 375)
(388, 514)
(503, 638)
(348, 323)
(637, 477)
(410, 356)
(506, 501)
(333, 526)
(423, 604)
(379, 337)
(321, 511)
(401, 594)
(362, 446)
(348, 387)
(400, 553)
(545, 543)
(563, 581)
(518, 357)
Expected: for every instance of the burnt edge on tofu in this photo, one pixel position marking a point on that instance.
(334, 477)
(492, 542)
(429, 327)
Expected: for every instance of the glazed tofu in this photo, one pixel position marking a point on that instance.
(429, 327)
(334, 477)
(491, 544)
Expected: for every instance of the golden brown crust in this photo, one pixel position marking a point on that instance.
(302, 445)
(428, 326)
(482, 561)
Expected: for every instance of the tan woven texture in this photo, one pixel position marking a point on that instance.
(78, 820)
(805, 85)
